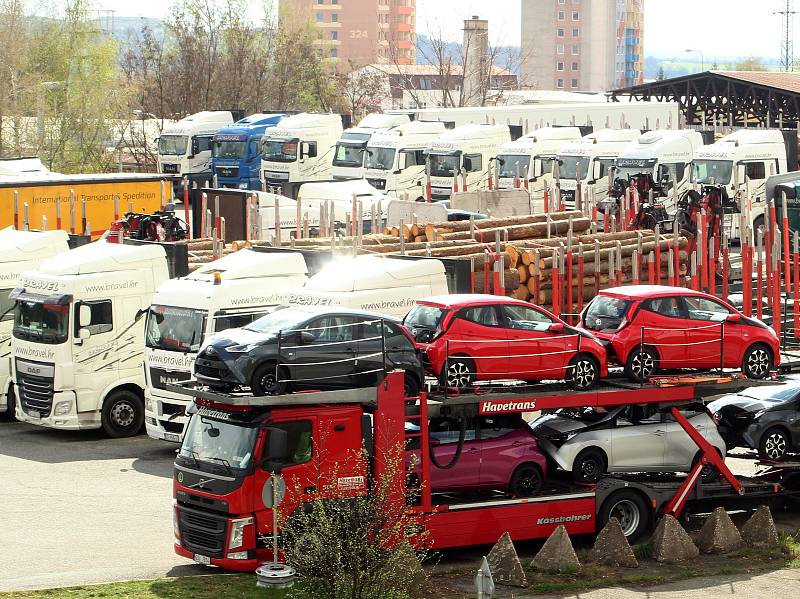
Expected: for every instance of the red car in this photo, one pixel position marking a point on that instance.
(681, 328)
(468, 338)
(497, 453)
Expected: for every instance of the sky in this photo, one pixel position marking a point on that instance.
(718, 28)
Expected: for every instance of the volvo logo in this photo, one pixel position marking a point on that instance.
(180, 477)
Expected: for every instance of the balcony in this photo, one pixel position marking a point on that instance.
(403, 10)
(404, 44)
(403, 27)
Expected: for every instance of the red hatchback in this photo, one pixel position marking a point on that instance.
(680, 328)
(468, 338)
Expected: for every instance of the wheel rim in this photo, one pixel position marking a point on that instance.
(458, 375)
(585, 374)
(627, 513)
(269, 383)
(642, 364)
(590, 468)
(123, 414)
(758, 362)
(527, 482)
(775, 446)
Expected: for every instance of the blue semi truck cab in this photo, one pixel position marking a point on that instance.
(236, 151)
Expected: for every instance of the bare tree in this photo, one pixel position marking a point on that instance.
(361, 88)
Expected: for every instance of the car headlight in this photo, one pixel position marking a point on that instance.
(241, 349)
(236, 538)
(759, 414)
(62, 408)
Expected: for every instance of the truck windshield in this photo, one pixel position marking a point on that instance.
(712, 172)
(6, 305)
(218, 442)
(229, 149)
(570, 166)
(279, 150)
(443, 165)
(172, 145)
(380, 158)
(349, 154)
(40, 322)
(512, 165)
(174, 329)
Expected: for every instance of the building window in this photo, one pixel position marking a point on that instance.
(576, 49)
(320, 1)
(334, 1)
(320, 17)
(560, 32)
(574, 14)
(559, 66)
(560, 15)
(560, 83)
(334, 35)
(574, 83)
(561, 1)
(335, 18)
(575, 33)
(574, 66)
(560, 49)
(334, 52)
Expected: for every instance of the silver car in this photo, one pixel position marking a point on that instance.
(590, 442)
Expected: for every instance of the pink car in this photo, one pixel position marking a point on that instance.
(498, 453)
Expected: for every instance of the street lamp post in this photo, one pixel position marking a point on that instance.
(702, 58)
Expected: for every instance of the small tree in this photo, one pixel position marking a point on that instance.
(361, 87)
(751, 64)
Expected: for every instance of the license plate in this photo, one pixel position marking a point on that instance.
(34, 413)
(202, 559)
(172, 437)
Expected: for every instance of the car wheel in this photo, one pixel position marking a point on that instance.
(630, 509)
(584, 372)
(641, 364)
(122, 414)
(774, 444)
(410, 385)
(460, 373)
(266, 381)
(526, 481)
(589, 466)
(757, 361)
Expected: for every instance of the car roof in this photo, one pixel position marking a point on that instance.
(648, 291)
(462, 300)
(314, 311)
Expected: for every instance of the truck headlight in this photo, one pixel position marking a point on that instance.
(236, 538)
(62, 408)
(148, 404)
(175, 527)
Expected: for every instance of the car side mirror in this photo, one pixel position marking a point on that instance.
(734, 318)
(306, 337)
(84, 315)
(277, 450)
(556, 327)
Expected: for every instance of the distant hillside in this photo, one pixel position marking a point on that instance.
(507, 56)
(125, 28)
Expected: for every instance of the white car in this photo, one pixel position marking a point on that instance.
(590, 443)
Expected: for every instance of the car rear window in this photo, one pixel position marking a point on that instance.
(427, 317)
(606, 313)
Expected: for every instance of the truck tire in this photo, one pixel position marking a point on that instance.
(630, 509)
(11, 399)
(264, 381)
(123, 414)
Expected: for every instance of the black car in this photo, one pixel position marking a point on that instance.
(763, 418)
(319, 347)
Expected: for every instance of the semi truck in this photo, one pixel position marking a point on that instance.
(78, 337)
(395, 159)
(587, 161)
(460, 159)
(299, 150)
(20, 251)
(348, 156)
(236, 151)
(228, 293)
(184, 148)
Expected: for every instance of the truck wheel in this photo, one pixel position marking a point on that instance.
(265, 381)
(123, 414)
(589, 466)
(630, 509)
(641, 364)
(757, 361)
(11, 414)
(584, 372)
(774, 444)
(526, 480)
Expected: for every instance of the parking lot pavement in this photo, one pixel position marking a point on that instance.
(80, 508)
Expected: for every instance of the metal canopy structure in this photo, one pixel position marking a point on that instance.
(731, 98)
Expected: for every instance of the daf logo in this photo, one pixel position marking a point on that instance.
(180, 477)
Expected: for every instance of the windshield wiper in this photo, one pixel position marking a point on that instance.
(224, 462)
(194, 456)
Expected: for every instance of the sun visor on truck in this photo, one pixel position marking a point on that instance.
(19, 294)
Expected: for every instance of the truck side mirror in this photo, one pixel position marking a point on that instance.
(195, 147)
(277, 450)
(402, 162)
(537, 168)
(308, 150)
(468, 164)
(596, 170)
(740, 173)
(84, 315)
(83, 335)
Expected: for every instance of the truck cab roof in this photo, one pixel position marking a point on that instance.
(378, 120)
(372, 272)
(600, 140)
(255, 123)
(23, 246)
(743, 142)
(663, 143)
(306, 120)
(406, 134)
(100, 257)
(531, 141)
(338, 191)
(206, 121)
(247, 264)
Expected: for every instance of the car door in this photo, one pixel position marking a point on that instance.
(444, 435)
(478, 334)
(500, 444)
(637, 440)
(535, 352)
(680, 450)
(327, 359)
(664, 322)
(400, 350)
(706, 347)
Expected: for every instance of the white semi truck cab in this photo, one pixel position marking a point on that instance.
(78, 337)
(227, 293)
(395, 159)
(20, 251)
(589, 160)
(463, 155)
(348, 156)
(528, 161)
(665, 155)
(739, 162)
(184, 148)
(299, 149)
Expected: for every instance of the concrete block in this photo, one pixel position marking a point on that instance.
(759, 530)
(612, 548)
(719, 534)
(672, 544)
(504, 563)
(557, 554)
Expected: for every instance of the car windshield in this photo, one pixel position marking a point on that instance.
(443, 165)
(6, 305)
(279, 150)
(428, 317)
(280, 320)
(349, 154)
(174, 329)
(513, 165)
(712, 172)
(606, 313)
(171, 145)
(229, 149)
(40, 322)
(777, 393)
(218, 442)
(380, 158)
(570, 166)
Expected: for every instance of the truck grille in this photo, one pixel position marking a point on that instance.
(377, 183)
(35, 393)
(169, 168)
(159, 377)
(228, 171)
(568, 196)
(202, 532)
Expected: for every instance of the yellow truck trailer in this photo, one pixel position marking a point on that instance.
(76, 203)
